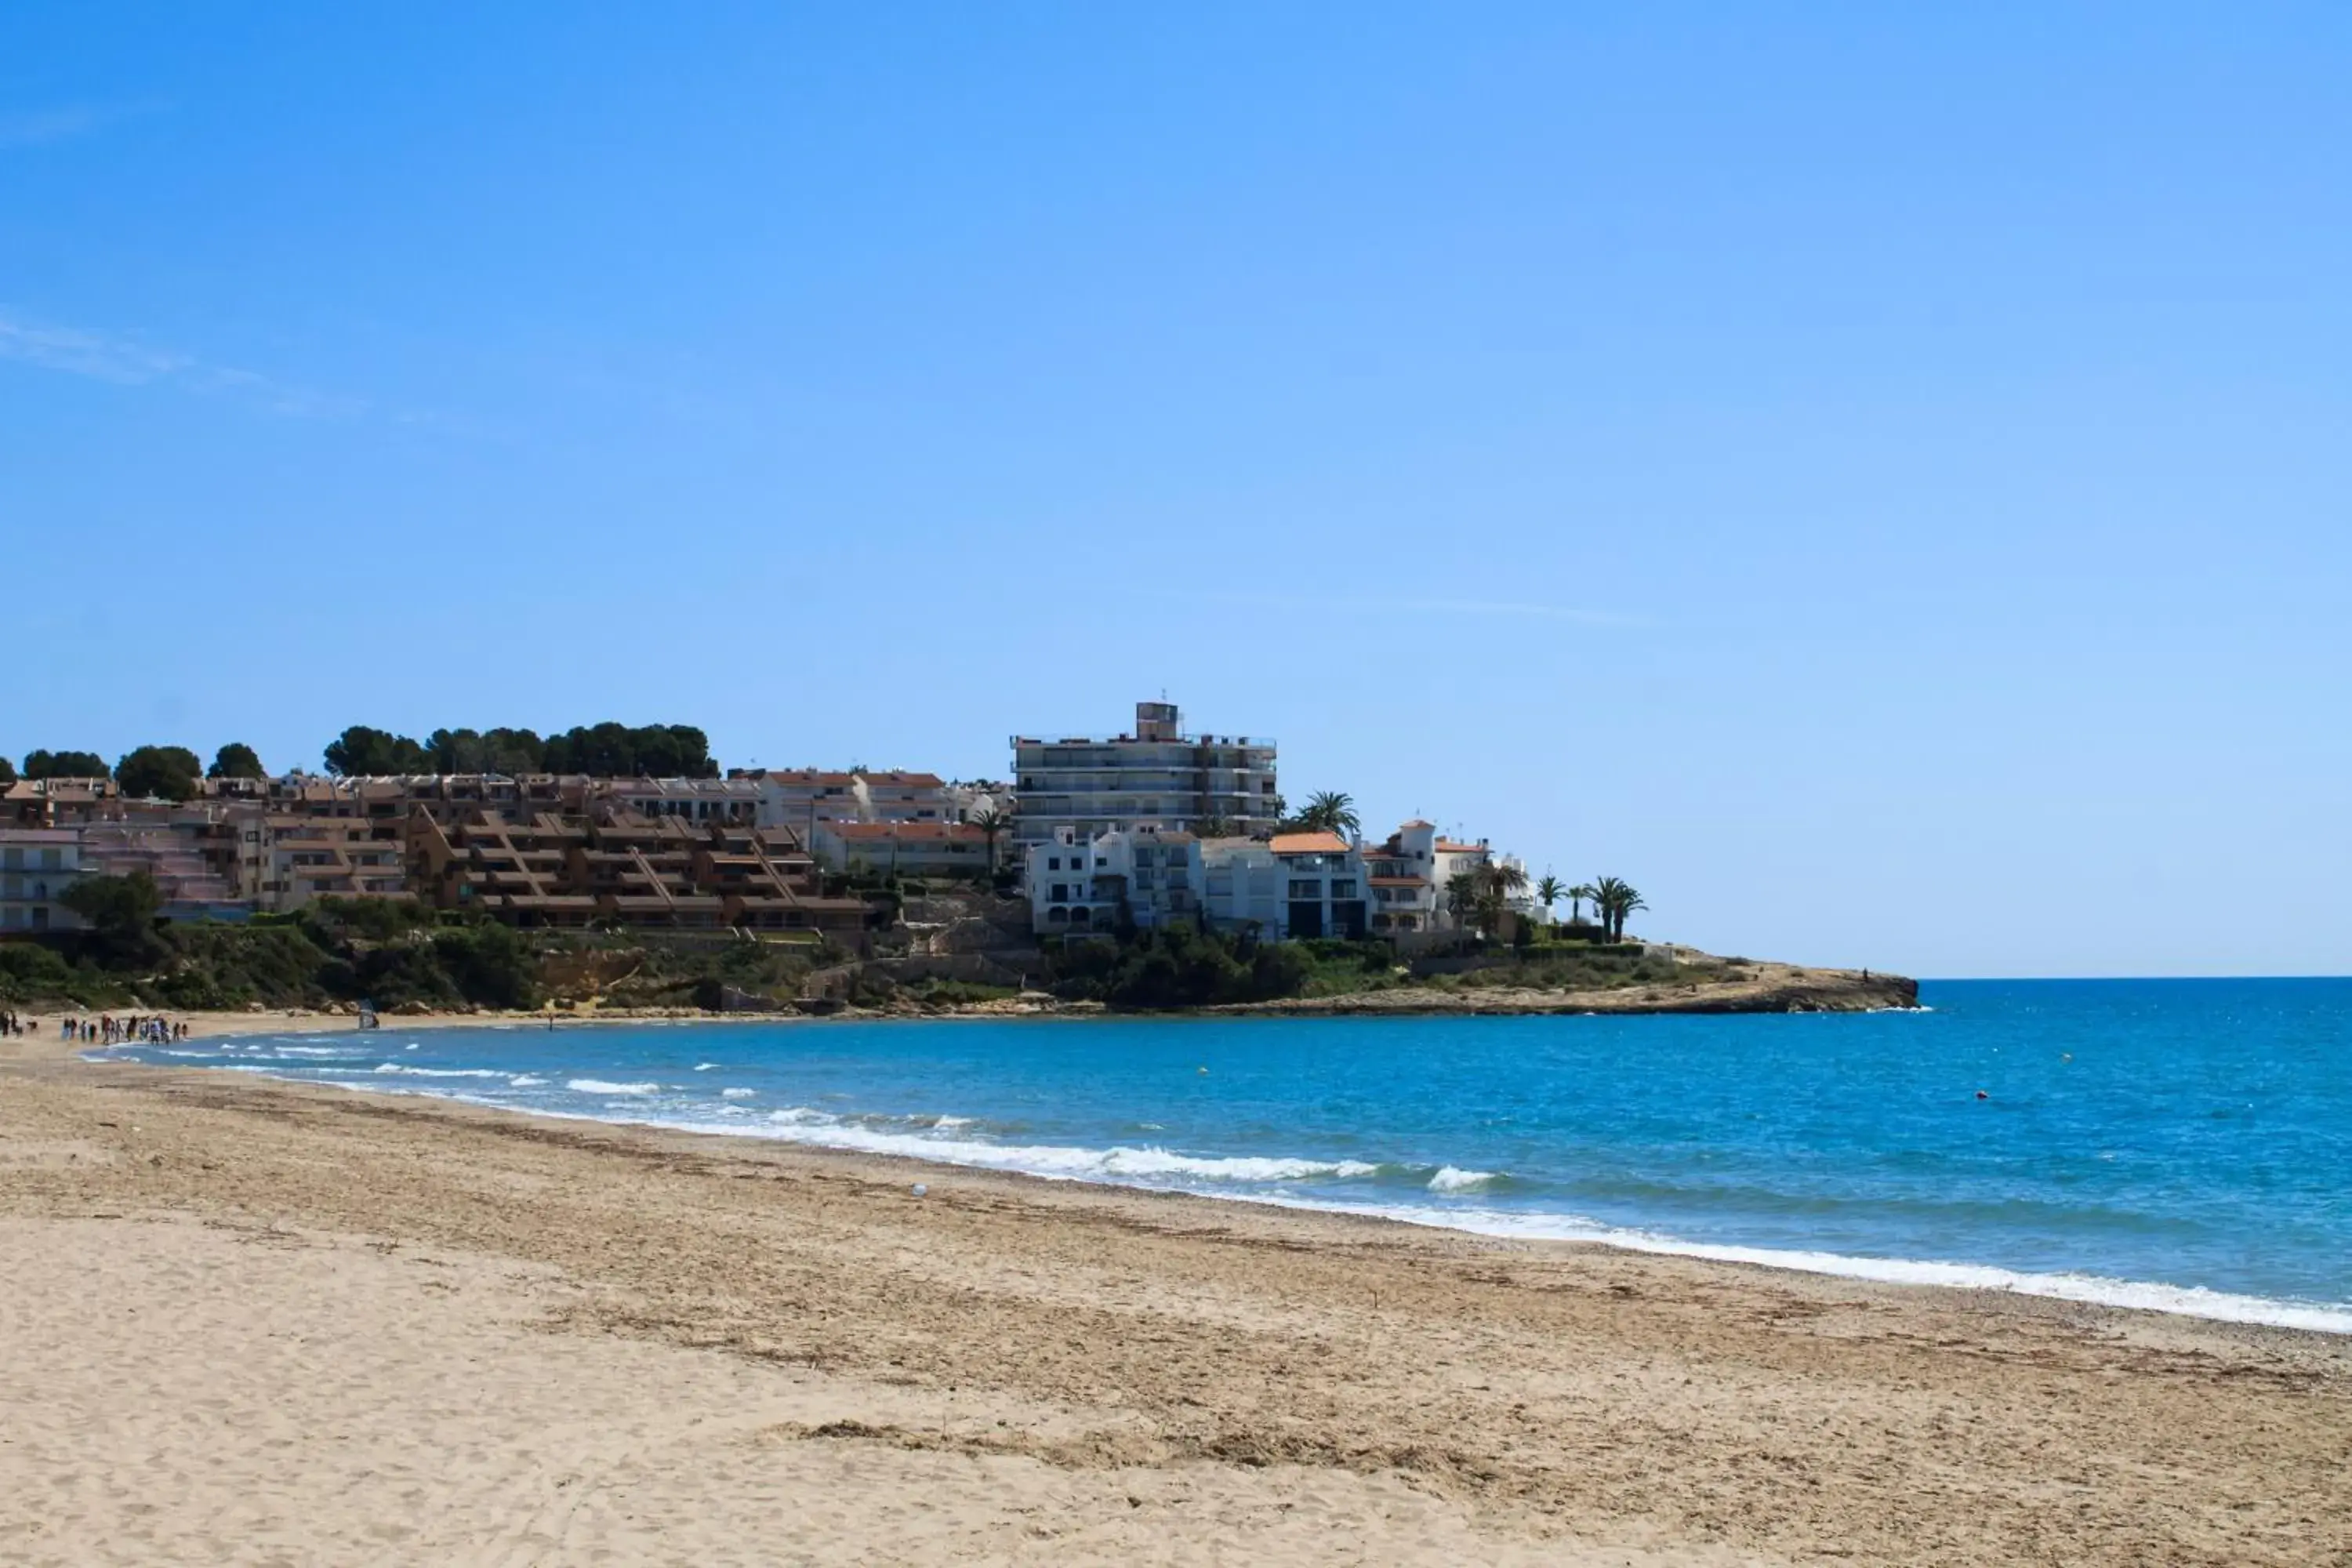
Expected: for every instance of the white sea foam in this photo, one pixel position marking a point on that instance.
(704, 1067)
(1232, 1178)
(737, 1093)
(2096, 1289)
(951, 1121)
(346, 1051)
(526, 1080)
(800, 1124)
(439, 1072)
(598, 1086)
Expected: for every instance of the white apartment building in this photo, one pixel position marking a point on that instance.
(1291, 887)
(36, 865)
(1156, 774)
(907, 848)
(689, 800)
(800, 798)
(1146, 874)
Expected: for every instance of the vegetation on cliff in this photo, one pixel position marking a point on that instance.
(401, 955)
(1181, 968)
(394, 954)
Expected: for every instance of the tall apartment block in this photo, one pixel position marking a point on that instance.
(1155, 775)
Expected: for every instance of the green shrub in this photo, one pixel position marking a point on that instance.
(40, 975)
(489, 965)
(1181, 967)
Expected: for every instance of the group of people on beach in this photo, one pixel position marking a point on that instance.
(105, 1029)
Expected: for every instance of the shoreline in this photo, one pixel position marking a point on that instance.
(797, 1336)
(1770, 988)
(2102, 1292)
(1774, 989)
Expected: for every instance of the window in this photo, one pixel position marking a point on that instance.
(1306, 888)
(1061, 893)
(1343, 888)
(1052, 862)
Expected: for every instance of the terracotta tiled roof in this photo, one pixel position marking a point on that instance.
(1308, 844)
(1455, 846)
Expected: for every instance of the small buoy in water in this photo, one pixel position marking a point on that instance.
(1203, 1071)
(1982, 1095)
(920, 1190)
(2065, 1056)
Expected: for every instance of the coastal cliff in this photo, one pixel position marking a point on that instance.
(1757, 988)
(965, 957)
(1698, 984)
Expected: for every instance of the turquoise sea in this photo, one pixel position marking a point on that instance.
(2180, 1145)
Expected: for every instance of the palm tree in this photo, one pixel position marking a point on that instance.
(1613, 900)
(995, 823)
(1466, 896)
(1578, 896)
(1604, 893)
(1330, 811)
(1550, 891)
(1628, 903)
(1478, 895)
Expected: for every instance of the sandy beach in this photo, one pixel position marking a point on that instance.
(247, 1321)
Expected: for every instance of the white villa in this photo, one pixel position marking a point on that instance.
(1291, 885)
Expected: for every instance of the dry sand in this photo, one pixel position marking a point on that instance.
(243, 1321)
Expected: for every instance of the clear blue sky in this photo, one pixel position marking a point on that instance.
(1876, 477)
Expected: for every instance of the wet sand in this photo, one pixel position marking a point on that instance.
(258, 1323)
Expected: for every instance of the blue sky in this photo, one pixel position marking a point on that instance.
(1875, 477)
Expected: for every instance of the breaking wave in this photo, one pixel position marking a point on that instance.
(801, 1124)
(438, 1072)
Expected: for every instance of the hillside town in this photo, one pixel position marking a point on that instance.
(1144, 829)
